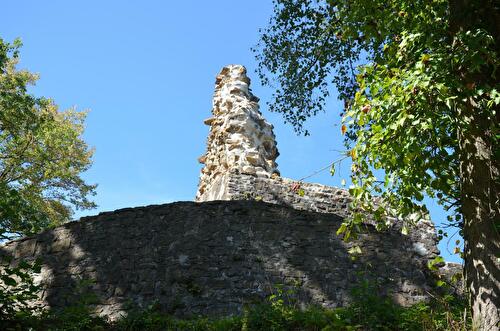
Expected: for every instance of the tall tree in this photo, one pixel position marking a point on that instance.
(42, 155)
(421, 97)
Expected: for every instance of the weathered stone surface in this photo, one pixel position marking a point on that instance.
(214, 257)
(240, 139)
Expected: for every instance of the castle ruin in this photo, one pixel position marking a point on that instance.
(248, 231)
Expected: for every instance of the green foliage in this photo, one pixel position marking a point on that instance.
(367, 312)
(153, 319)
(78, 313)
(42, 154)
(17, 311)
(280, 311)
(74, 317)
(405, 114)
(421, 116)
(17, 291)
(404, 70)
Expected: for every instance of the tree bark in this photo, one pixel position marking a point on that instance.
(480, 194)
(479, 173)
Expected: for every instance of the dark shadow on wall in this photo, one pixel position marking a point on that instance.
(213, 258)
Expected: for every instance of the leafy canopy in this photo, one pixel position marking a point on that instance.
(42, 154)
(401, 74)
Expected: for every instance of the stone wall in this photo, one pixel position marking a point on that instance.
(212, 258)
(316, 198)
(300, 195)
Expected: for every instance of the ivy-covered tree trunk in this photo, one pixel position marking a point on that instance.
(480, 194)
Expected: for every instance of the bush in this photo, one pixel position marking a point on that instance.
(17, 293)
(279, 312)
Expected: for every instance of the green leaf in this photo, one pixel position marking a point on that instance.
(9, 281)
(432, 263)
(341, 229)
(440, 283)
(355, 250)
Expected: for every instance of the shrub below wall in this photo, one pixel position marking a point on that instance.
(367, 312)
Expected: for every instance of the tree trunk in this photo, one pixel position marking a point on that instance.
(480, 195)
(480, 173)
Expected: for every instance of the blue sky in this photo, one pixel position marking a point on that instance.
(146, 72)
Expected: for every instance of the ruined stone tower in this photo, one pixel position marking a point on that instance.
(240, 141)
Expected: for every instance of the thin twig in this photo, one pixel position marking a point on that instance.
(324, 168)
